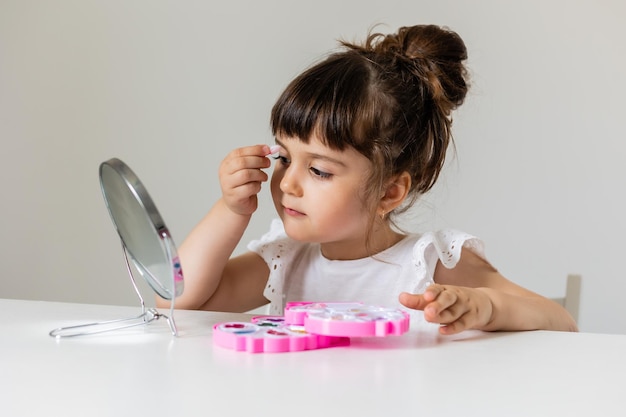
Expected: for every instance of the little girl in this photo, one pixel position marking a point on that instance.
(360, 136)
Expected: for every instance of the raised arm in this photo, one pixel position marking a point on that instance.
(214, 281)
(474, 295)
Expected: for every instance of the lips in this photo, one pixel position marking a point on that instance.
(291, 212)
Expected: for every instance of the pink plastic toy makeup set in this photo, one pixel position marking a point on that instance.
(309, 326)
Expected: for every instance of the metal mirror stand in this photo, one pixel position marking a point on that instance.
(146, 316)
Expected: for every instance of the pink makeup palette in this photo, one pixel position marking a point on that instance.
(309, 325)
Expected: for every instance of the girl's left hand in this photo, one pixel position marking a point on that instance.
(455, 308)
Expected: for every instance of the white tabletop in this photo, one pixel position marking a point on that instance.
(146, 371)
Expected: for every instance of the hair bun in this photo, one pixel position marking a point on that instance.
(433, 54)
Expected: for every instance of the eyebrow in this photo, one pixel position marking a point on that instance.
(318, 156)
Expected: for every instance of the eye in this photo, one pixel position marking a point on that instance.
(321, 174)
(283, 160)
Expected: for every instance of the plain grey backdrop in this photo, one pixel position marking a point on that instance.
(170, 87)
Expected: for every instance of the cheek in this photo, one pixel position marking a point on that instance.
(342, 208)
(275, 185)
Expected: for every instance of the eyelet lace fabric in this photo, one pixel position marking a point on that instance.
(279, 252)
(444, 246)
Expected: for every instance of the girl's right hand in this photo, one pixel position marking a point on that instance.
(241, 176)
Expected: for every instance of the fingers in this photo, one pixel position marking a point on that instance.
(241, 175)
(250, 157)
(412, 301)
(455, 308)
(420, 301)
(456, 326)
(443, 306)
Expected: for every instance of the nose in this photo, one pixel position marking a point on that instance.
(289, 183)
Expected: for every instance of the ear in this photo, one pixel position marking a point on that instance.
(394, 194)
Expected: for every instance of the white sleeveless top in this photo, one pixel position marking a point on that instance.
(299, 271)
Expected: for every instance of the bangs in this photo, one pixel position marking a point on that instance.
(327, 100)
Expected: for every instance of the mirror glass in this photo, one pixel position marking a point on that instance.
(141, 229)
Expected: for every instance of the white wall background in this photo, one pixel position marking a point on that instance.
(171, 86)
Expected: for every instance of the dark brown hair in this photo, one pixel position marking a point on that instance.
(389, 98)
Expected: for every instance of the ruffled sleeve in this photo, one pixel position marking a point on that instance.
(278, 251)
(444, 246)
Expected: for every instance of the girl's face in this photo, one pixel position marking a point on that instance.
(318, 194)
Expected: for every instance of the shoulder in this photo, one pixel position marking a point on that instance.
(429, 250)
(456, 258)
(446, 246)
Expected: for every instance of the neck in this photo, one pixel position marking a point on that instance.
(378, 241)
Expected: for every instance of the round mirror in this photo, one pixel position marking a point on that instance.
(147, 245)
(141, 229)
